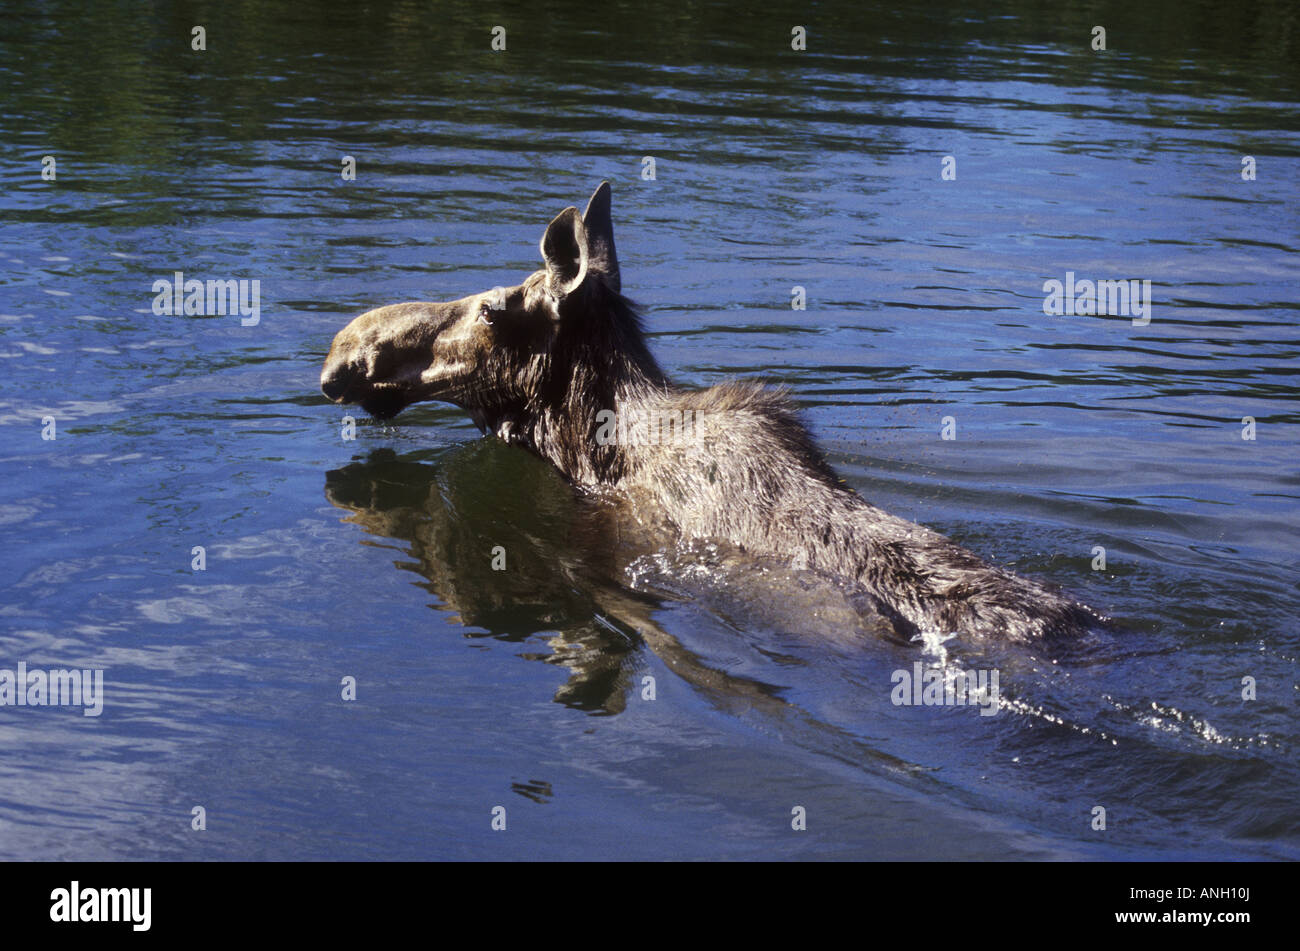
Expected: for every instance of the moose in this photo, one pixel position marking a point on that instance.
(548, 363)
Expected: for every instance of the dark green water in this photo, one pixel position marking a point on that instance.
(328, 558)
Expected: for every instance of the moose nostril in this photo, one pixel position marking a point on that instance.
(334, 381)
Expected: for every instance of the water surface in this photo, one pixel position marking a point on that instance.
(370, 558)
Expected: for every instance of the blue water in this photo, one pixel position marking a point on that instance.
(328, 558)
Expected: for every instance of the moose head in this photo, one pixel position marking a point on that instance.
(508, 355)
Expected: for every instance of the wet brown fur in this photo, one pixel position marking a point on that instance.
(536, 364)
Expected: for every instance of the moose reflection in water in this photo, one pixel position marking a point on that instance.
(558, 564)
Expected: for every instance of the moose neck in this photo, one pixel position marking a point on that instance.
(605, 367)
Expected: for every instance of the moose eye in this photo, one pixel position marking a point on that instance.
(494, 303)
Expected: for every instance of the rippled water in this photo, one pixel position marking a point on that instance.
(328, 558)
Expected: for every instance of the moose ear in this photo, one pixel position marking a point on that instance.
(564, 249)
(599, 222)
